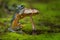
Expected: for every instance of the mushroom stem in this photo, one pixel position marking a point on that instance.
(33, 25)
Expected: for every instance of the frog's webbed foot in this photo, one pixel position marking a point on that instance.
(11, 30)
(19, 30)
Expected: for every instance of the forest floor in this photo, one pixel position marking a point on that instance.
(47, 14)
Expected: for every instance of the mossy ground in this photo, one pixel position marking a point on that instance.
(48, 13)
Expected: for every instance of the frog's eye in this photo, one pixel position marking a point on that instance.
(22, 5)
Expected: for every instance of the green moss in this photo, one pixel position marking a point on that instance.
(15, 36)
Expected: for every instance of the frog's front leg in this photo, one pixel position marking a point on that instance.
(19, 28)
(20, 25)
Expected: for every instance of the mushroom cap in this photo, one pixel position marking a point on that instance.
(31, 11)
(28, 12)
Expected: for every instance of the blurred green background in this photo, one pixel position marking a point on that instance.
(48, 19)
